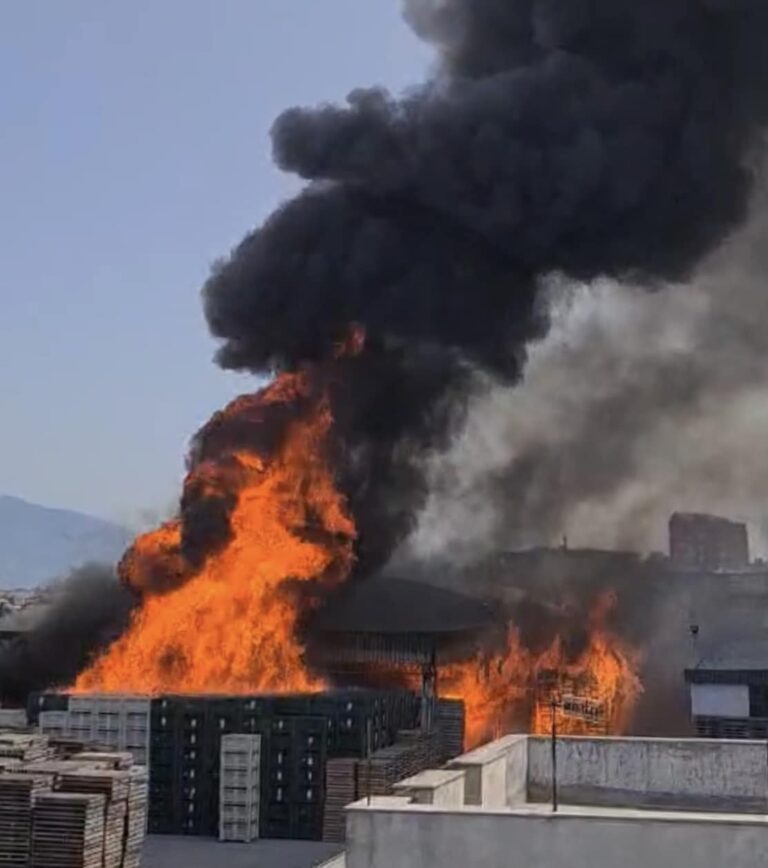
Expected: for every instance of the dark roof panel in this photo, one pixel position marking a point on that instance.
(386, 604)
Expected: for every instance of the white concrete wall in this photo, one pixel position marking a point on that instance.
(517, 772)
(439, 787)
(494, 771)
(426, 838)
(720, 700)
(718, 775)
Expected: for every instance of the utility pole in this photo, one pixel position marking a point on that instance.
(368, 746)
(554, 753)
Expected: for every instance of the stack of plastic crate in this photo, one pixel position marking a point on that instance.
(240, 787)
(119, 722)
(54, 723)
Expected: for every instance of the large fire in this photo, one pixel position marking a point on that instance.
(225, 620)
(592, 692)
(230, 626)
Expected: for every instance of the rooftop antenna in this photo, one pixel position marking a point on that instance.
(694, 628)
(554, 703)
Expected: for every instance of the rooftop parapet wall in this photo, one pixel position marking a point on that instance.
(439, 787)
(495, 774)
(685, 774)
(612, 791)
(398, 835)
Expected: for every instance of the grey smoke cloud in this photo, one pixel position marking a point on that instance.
(633, 406)
(86, 611)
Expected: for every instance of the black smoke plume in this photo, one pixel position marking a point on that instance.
(88, 610)
(585, 137)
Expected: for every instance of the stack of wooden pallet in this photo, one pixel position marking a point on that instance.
(68, 808)
(340, 791)
(136, 823)
(17, 795)
(350, 779)
(24, 746)
(8, 764)
(113, 785)
(413, 752)
(67, 831)
(118, 760)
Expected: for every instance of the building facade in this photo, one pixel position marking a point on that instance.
(707, 542)
(729, 691)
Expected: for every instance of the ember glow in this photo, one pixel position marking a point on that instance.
(230, 626)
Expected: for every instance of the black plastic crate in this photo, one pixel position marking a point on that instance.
(37, 702)
(256, 706)
(301, 704)
(307, 794)
(161, 826)
(307, 822)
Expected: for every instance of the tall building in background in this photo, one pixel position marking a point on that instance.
(707, 542)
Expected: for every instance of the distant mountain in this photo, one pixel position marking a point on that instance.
(38, 543)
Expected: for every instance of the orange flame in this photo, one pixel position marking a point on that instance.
(514, 690)
(231, 626)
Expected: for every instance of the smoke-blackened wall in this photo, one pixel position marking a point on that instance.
(87, 611)
(590, 138)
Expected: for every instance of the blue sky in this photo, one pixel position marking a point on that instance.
(134, 150)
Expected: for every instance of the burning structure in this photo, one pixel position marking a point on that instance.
(611, 138)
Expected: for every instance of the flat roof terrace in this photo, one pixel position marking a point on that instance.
(624, 803)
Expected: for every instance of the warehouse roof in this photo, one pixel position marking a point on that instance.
(386, 604)
(734, 661)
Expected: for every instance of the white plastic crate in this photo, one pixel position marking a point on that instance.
(81, 719)
(240, 741)
(232, 795)
(239, 813)
(140, 755)
(136, 705)
(239, 762)
(53, 718)
(116, 722)
(242, 832)
(240, 777)
(239, 787)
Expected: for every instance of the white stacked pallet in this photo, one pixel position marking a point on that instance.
(117, 722)
(240, 786)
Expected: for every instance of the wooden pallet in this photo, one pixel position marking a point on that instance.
(340, 791)
(136, 824)
(23, 746)
(17, 795)
(68, 831)
(118, 760)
